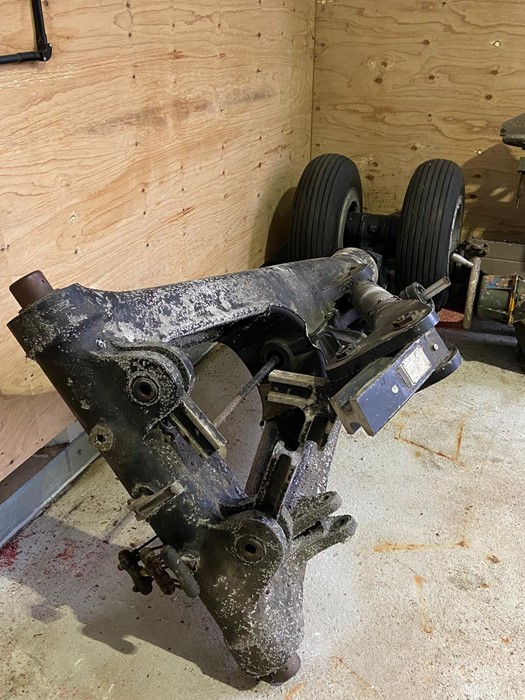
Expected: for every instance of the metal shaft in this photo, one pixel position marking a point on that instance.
(436, 288)
(461, 260)
(246, 389)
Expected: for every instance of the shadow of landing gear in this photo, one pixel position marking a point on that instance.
(488, 341)
(66, 566)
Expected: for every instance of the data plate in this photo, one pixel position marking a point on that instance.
(374, 395)
(414, 367)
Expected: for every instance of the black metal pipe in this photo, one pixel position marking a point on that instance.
(38, 18)
(44, 49)
(21, 57)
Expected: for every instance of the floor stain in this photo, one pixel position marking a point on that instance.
(454, 458)
(294, 690)
(8, 554)
(468, 581)
(387, 546)
(364, 684)
(459, 439)
(493, 559)
(338, 661)
(424, 618)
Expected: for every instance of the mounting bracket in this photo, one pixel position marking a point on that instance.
(43, 47)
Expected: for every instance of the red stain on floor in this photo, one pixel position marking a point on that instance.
(68, 552)
(70, 556)
(8, 555)
(72, 559)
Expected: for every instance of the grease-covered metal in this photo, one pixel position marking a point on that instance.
(119, 360)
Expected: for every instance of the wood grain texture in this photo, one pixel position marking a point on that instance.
(152, 148)
(399, 82)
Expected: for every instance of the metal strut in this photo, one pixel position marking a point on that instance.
(324, 343)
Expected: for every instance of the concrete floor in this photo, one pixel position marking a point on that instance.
(426, 601)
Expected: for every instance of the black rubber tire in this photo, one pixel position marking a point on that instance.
(329, 188)
(430, 224)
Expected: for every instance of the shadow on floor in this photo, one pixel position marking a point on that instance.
(488, 341)
(66, 566)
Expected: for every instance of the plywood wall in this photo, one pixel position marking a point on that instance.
(153, 147)
(400, 81)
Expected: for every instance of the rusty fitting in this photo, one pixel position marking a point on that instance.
(30, 288)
